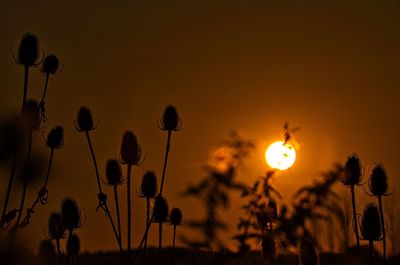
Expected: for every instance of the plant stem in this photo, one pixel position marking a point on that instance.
(165, 161)
(371, 251)
(26, 76)
(45, 87)
(58, 251)
(355, 226)
(8, 193)
(128, 192)
(383, 228)
(147, 220)
(118, 219)
(159, 242)
(173, 238)
(94, 161)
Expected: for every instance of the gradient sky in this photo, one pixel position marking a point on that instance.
(331, 68)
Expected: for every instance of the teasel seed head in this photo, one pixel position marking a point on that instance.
(171, 120)
(84, 121)
(71, 215)
(50, 65)
(176, 217)
(130, 152)
(73, 245)
(352, 171)
(378, 182)
(55, 138)
(55, 226)
(149, 184)
(113, 172)
(28, 51)
(31, 115)
(370, 226)
(160, 210)
(47, 253)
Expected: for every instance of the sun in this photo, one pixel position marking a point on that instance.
(280, 155)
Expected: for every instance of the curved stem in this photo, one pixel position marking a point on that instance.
(26, 76)
(45, 87)
(165, 161)
(94, 161)
(173, 238)
(147, 220)
(159, 242)
(383, 228)
(355, 226)
(128, 192)
(118, 219)
(8, 193)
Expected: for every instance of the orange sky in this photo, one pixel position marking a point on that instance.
(330, 68)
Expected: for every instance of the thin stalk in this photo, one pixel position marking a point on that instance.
(165, 161)
(371, 251)
(118, 218)
(128, 192)
(45, 87)
(355, 226)
(69, 238)
(147, 220)
(173, 238)
(26, 76)
(159, 242)
(58, 251)
(383, 228)
(144, 237)
(9, 187)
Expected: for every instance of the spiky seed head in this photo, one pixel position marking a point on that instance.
(160, 210)
(308, 252)
(170, 120)
(113, 172)
(149, 184)
(28, 51)
(73, 245)
(55, 138)
(31, 115)
(130, 152)
(70, 213)
(175, 216)
(370, 227)
(55, 226)
(378, 182)
(50, 64)
(84, 121)
(268, 248)
(47, 253)
(352, 170)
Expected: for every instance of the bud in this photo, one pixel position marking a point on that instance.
(55, 226)
(70, 213)
(130, 150)
(84, 121)
(73, 245)
(55, 138)
(378, 183)
(113, 172)
(160, 210)
(28, 51)
(31, 115)
(50, 64)
(352, 171)
(370, 227)
(149, 184)
(176, 217)
(171, 120)
(47, 253)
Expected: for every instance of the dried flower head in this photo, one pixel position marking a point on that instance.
(71, 215)
(352, 171)
(84, 121)
(113, 172)
(370, 227)
(31, 115)
(55, 226)
(55, 138)
(176, 217)
(378, 182)
(73, 245)
(160, 210)
(149, 184)
(170, 120)
(47, 253)
(131, 152)
(51, 64)
(28, 51)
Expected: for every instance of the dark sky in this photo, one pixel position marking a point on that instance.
(331, 68)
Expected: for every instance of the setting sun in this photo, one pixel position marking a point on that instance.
(280, 155)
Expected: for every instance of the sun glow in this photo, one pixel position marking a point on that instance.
(280, 155)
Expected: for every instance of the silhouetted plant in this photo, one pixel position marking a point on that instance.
(130, 155)
(175, 219)
(148, 191)
(353, 177)
(56, 230)
(308, 252)
(378, 186)
(47, 253)
(160, 216)
(370, 227)
(73, 248)
(71, 214)
(50, 66)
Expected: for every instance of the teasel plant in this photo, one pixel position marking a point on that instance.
(130, 155)
(50, 66)
(84, 123)
(160, 216)
(175, 219)
(115, 179)
(371, 228)
(73, 248)
(56, 230)
(352, 176)
(378, 186)
(148, 191)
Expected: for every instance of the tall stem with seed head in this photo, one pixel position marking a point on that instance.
(383, 228)
(147, 220)
(26, 76)
(355, 226)
(159, 242)
(165, 161)
(173, 238)
(129, 210)
(118, 218)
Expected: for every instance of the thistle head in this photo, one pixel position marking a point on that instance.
(352, 171)
(84, 121)
(55, 138)
(28, 51)
(113, 172)
(176, 217)
(47, 253)
(31, 115)
(378, 182)
(73, 245)
(51, 64)
(55, 226)
(160, 210)
(130, 152)
(370, 227)
(71, 215)
(149, 184)
(170, 120)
